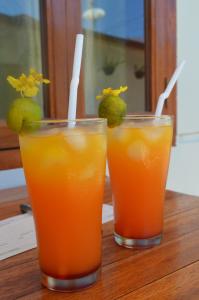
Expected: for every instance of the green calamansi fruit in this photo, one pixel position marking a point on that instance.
(21, 113)
(113, 108)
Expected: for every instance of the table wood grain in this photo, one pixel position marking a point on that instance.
(168, 271)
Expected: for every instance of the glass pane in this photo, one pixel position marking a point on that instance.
(20, 45)
(114, 50)
(184, 166)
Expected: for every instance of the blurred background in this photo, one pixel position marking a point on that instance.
(135, 43)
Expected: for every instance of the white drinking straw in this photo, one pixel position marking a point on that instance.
(168, 89)
(72, 107)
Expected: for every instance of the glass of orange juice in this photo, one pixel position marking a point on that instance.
(138, 156)
(64, 164)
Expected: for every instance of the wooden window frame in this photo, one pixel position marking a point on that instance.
(160, 53)
(61, 20)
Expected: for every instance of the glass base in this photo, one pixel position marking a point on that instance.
(138, 243)
(70, 285)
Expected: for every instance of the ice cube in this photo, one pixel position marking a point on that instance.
(54, 155)
(153, 133)
(52, 131)
(46, 132)
(88, 172)
(76, 139)
(103, 145)
(100, 144)
(120, 134)
(138, 150)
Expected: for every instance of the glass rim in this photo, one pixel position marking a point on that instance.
(66, 121)
(148, 117)
(129, 117)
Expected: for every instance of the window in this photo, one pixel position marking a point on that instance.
(20, 31)
(114, 51)
(150, 49)
(132, 43)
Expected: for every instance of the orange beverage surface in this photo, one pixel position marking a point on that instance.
(65, 172)
(138, 164)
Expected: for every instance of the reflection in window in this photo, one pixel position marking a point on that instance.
(114, 50)
(20, 44)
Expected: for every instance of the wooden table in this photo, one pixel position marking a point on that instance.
(169, 271)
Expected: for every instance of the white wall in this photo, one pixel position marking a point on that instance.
(184, 166)
(188, 48)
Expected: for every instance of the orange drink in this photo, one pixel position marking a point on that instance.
(138, 155)
(64, 164)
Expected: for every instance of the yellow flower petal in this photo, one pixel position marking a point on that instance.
(123, 89)
(13, 81)
(38, 77)
(28, 85)
(99, 97)
(32, 71)
(30, 91)
(110, 91)
(46, 81)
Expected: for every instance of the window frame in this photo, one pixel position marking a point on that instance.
(60, 24)
(160, 53)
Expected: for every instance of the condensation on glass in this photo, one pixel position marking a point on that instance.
(114, 50)
(20, 37)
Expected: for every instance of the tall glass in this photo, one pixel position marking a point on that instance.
(138, 155)
(64, 164)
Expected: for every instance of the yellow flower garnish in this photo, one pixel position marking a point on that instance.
(111, 92)
(27, 85)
